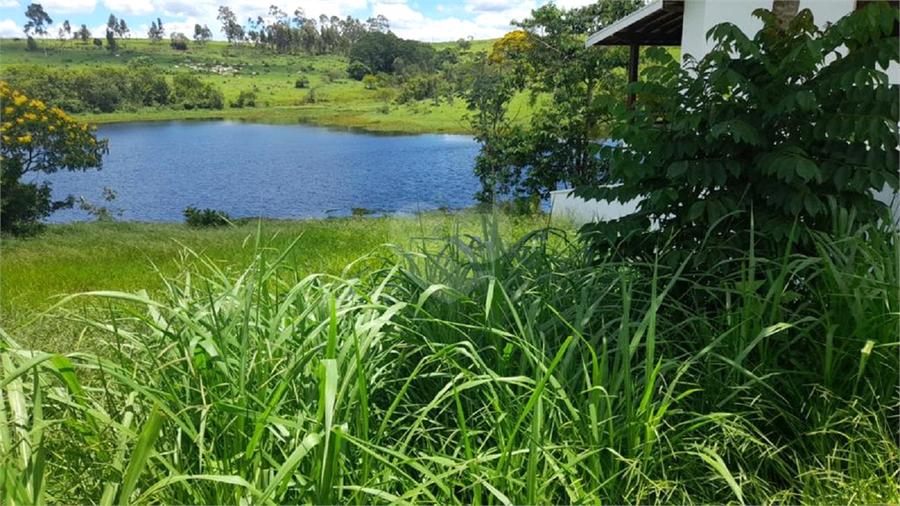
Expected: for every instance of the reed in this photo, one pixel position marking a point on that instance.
(472, 369)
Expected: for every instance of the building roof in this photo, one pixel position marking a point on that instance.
(656, 24)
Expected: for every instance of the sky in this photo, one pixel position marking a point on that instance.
(425, 20)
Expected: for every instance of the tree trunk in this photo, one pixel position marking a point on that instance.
(785, 10)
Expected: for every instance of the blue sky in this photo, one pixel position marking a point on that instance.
(426, 20)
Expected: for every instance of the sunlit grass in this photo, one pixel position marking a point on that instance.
(472, 366)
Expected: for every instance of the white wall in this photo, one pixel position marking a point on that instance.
(575, 210)
(701, 15)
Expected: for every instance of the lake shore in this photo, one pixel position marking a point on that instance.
(361, 117)
(329, 98)
(129, 256)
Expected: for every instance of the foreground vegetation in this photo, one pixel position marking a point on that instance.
(474, 370)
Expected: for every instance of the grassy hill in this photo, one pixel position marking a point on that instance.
(330, 98)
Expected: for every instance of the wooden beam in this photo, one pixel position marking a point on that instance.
(633, 69)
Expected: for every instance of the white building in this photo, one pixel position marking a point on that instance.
(685, 23)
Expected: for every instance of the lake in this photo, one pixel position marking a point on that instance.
(275, 171)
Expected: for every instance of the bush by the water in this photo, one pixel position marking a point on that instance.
(205, 217)
(109, 89)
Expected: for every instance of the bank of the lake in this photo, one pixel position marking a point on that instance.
(330, 98)
(130, 256)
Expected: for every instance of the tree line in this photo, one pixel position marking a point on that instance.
(110, 89)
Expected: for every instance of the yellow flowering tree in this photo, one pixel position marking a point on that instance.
(38, 139)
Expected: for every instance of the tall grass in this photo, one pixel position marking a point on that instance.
(471, 370)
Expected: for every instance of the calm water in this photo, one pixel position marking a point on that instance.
(275, 171)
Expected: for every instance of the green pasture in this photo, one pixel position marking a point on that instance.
(331, 99)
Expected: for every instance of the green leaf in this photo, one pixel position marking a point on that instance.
(677, 169)
(141, 455)
(806, 100)
(806, 169)
(696, 210)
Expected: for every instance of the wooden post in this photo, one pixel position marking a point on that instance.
(633, 70)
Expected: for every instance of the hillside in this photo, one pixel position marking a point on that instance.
(329, 98)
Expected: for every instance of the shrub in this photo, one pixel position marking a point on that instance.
(357, 70)
(787, 128)
(179, 41)
(192, 93)
(246, 98)
(205, 217)
(38, 140)
(301, 82)
(32, 44)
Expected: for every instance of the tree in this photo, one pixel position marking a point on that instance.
(38, 140)
(153, 33)
(378, 24)
(761, 142)
(156, 31)
(112, 24)
(83, 33)
(37, 21)
(487, 87)
(65, 31)
(111, 43)
(548, 55)
(112, 29)
(232, 30)
(202, 34)
(123, 30)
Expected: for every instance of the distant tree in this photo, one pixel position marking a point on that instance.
(202, 34)
(464, 44)
(232, 30)
(153, 33)
(378, 24)
(111, 43)
(179, 41)
(83, 33)
(123, 30)
(38, 140)
(112, 24)
(161, 28)
(38, 20)
(65, 31)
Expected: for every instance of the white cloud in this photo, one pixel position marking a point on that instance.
(487, 5)
(9, 4)
(189, 8)
(129, 7)
(571, 4)
(9, 29)
(56, 7)
(491, 20)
